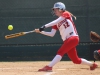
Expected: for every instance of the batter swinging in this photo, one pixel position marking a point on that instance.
(69, 35)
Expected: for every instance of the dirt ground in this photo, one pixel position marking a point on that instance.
(31, 68)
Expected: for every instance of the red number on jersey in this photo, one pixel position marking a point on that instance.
(66, 25)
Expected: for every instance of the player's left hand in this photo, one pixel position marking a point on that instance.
(37, 30)
(42, 28)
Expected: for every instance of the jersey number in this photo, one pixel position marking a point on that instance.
(66, 25)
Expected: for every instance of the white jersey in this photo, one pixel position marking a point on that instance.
(65, 25)
(66, 28)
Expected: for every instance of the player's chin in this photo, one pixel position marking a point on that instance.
(57, 15)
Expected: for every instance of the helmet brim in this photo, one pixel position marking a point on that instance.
(54, 8)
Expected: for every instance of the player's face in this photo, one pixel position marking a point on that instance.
(57, 12)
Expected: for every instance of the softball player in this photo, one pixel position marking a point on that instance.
(69, 35)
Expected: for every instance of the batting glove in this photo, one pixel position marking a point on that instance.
(41, 28)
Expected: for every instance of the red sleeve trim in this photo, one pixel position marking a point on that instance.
(54, 27)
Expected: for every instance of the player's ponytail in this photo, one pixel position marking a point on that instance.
(72, 15)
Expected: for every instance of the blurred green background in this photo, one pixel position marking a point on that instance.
(26, 15)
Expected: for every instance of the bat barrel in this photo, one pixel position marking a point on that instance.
(14, 35)
(17, 34)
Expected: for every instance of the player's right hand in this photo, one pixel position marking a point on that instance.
(37, 30)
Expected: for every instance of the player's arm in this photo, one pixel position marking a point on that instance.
(52, 33)
(55, 22)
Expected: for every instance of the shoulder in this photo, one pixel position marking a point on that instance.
(66, 14)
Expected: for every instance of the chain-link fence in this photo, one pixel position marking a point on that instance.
(26, 15)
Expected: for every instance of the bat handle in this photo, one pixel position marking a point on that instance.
(29, 32)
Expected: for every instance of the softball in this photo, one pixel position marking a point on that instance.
(10, 27)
